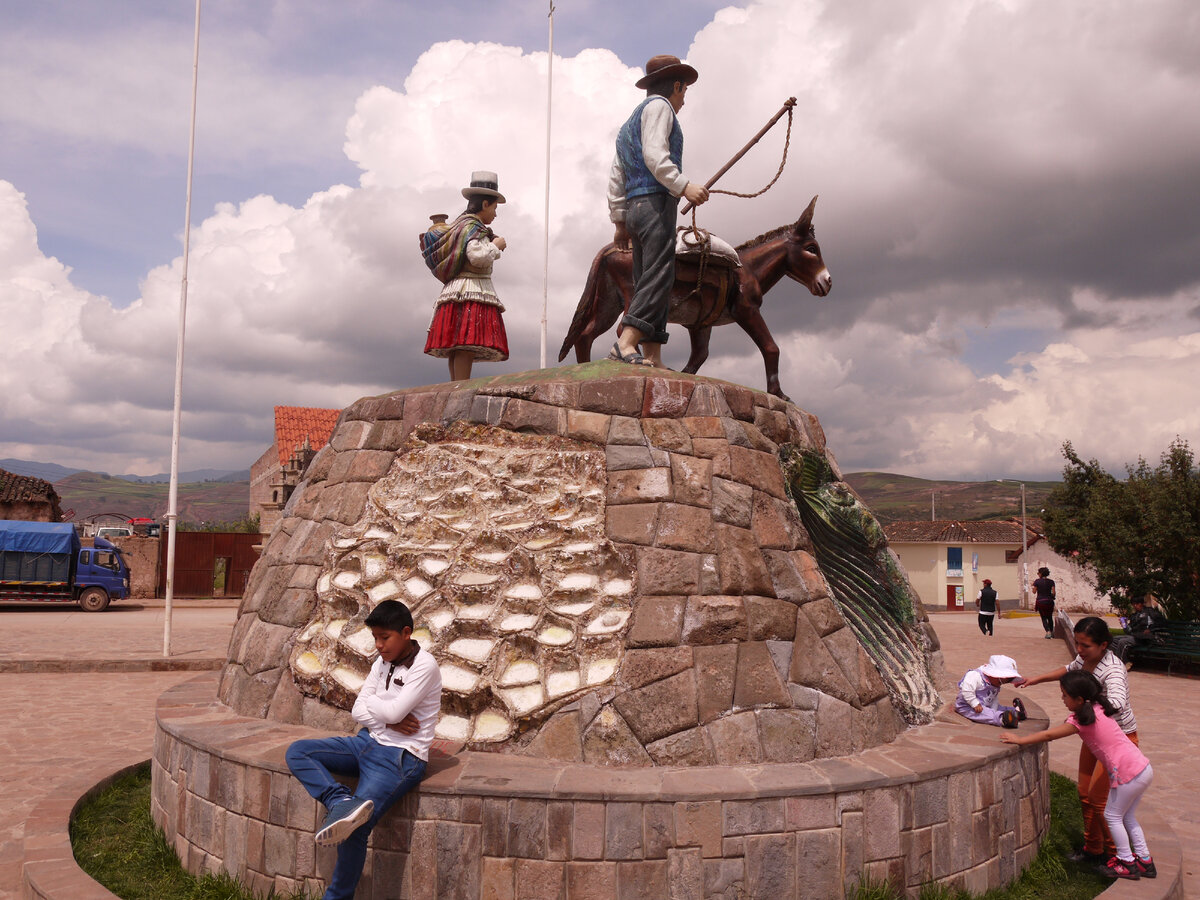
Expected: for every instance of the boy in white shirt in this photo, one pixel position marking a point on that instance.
(398, 707)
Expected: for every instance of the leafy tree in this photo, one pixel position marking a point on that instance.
(1140, 535)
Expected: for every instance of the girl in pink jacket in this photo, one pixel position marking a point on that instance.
(1129, 771)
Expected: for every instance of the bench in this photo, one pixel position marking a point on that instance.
(1173, 642)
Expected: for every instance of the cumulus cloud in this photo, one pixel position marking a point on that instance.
(986, 169)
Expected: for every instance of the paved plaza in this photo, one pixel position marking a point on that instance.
(60, 721)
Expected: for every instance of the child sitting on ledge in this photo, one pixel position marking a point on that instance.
(979, 693)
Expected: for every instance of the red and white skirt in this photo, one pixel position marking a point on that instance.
(468, 325)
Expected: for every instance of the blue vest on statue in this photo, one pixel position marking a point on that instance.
(638, 179)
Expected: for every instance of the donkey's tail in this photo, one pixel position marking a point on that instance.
(585, 312)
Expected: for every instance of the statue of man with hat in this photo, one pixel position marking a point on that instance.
(467, 323)
(644, 187)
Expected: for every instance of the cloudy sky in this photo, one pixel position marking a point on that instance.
(1009, 205)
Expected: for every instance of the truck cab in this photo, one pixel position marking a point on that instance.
(100, 567)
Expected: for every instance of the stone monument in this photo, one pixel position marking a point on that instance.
(676, 654)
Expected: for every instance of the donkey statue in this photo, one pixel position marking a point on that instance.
(707, 293)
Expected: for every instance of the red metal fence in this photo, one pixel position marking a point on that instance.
(200, 557)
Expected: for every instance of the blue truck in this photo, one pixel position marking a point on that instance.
(47, 562)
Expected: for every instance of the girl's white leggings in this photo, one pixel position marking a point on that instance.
(1120, 815)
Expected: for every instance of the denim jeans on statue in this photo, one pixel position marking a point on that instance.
(385, 774)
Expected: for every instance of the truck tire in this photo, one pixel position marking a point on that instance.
(93, 600)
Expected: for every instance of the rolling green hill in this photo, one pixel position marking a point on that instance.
(89, 493)
(894, 498)
(891, 497)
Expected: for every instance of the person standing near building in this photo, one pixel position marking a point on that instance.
(986, 604)
(1044, 590)
(644, 185)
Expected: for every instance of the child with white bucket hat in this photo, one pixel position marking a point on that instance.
(979, 694)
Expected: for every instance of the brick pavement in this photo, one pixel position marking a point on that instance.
(1167, 710)
(124, 631)
(57, 724)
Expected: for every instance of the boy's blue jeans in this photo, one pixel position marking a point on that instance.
(385, 774)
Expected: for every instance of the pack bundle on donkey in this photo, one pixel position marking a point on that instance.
(714, 283)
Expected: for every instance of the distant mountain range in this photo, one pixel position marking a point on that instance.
(199, 502)
(54, 472)
(896, 498)
(215, 495)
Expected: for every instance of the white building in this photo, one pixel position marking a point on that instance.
(946, 562)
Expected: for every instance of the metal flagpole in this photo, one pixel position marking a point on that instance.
(546, 245)
(173, 497)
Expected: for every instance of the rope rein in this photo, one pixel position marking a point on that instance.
(703, 239)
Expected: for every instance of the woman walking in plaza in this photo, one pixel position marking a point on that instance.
(1044, 601)
(1092, 643)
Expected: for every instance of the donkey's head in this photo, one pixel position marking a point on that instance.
(805, 264)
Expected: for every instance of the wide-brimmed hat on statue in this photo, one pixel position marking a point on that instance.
(484, 184)
(1000, 667)
(665, 66)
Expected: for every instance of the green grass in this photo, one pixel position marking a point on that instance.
(1051, 876)
(117, 843)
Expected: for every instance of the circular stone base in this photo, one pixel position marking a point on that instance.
(945, 802)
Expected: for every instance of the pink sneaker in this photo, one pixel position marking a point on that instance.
(1145, 867)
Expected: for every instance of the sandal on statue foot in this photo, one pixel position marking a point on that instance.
(633, 359)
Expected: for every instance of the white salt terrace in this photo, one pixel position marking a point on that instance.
(452, 582)
(385, 590)
(475, 649)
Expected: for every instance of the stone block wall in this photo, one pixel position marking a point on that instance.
(943, 803)
(141, 555)
(734, 651)
(264, 499)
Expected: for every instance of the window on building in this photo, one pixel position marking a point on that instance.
(954, 568)
(1012, 556)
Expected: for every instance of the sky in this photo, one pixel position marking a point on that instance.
(1009, 206)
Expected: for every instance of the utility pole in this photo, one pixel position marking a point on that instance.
(1024, 552)
(1024, 604)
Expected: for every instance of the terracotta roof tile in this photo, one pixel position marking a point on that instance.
(25, 488)
(949, 532)
(294, 423)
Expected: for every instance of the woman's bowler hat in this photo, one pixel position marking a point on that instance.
(484, 184)
(664, 67)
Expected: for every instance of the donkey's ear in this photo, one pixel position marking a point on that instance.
(804, 223)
